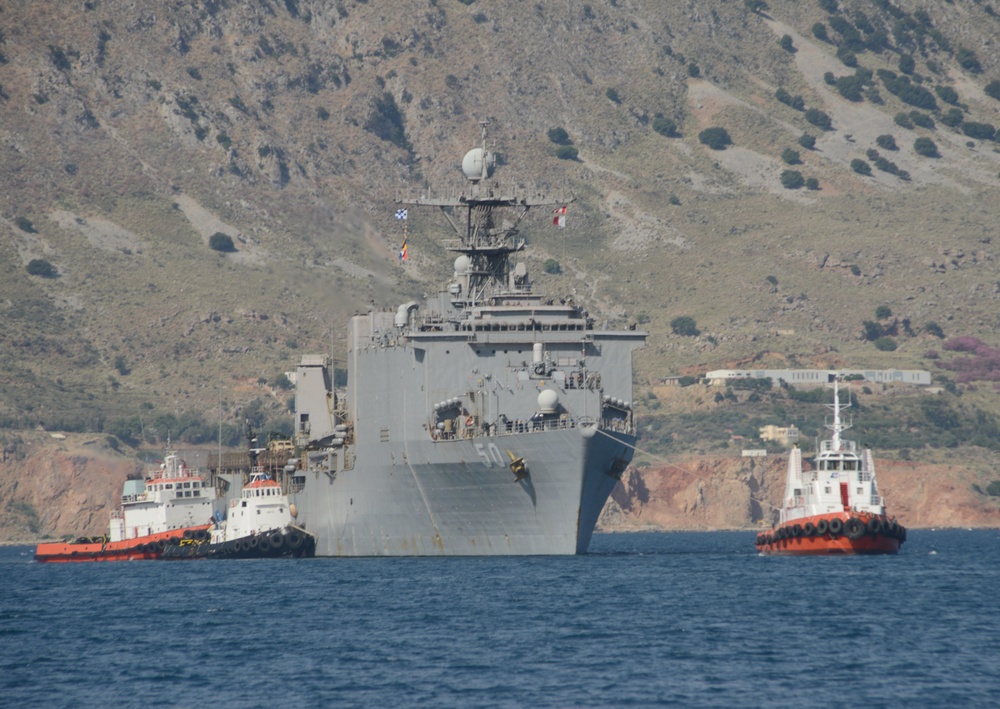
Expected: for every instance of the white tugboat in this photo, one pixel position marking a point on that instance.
(259, 523)
(835, 508)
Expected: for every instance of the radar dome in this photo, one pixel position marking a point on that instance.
(478, 164)
(463, 264)
(547, 401)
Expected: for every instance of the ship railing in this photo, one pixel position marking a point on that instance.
(508, 427)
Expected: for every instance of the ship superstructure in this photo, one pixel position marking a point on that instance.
(488, 419)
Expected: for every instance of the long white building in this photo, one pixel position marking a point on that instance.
(816, 377)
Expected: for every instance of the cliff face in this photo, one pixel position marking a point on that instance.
(60, 487)
(741, 493)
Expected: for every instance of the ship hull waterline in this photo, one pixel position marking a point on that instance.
(867, 539)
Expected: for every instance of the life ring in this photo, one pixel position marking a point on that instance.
(836, 526)
(232, 503)
(809, 529)
(855, 528)
(822, 527)
(470, 422)
(875, 525)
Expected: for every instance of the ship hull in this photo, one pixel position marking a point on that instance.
(834, 534)
(444, 498)
(148, 547)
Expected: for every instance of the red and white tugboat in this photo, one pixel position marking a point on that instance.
(835, 508)
(173, 503)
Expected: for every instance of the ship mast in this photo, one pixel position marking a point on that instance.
(493, 213)
(838, 426)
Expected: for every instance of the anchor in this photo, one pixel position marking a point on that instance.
(517, 467)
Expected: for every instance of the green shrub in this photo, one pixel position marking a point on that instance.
(819, 32)
(885, 344)
(387, 123)
(790, 156)
(551, 266)
(883, 311)
(755, 5)
(886, 142)
(792, 179)
(786, 43)
(221, 242)
(796, 101)
(812, 183)
(850, 87)
(922, 120)
(613, 96)
(807, 141)
(903, 119)
(861, 167)
(693, 71)
(41, 267)
(979, 131)
(24, 224)
(567, 152)
(716, 138)
(829, 6)
(968, 61)
(948, 94)
(926, 147)
(952, 117)
(559, 136)
(665, 126)
(819, 119)
(906, 64)
(685, 326)
(322, 113)
(993, 489)
(993, 90)
(932, 328)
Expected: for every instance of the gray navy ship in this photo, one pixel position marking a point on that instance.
(486, 420)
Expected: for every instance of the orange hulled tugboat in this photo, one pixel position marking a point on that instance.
(835, 508)
(174, 503)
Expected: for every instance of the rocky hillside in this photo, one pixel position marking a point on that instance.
(194, 194)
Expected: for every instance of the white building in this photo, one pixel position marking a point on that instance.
(816, 377)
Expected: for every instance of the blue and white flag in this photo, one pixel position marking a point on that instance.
(400, 214)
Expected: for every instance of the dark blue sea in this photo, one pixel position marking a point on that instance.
(652, 619)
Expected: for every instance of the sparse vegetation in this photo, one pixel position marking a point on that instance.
(885, 344)
(551, 266)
